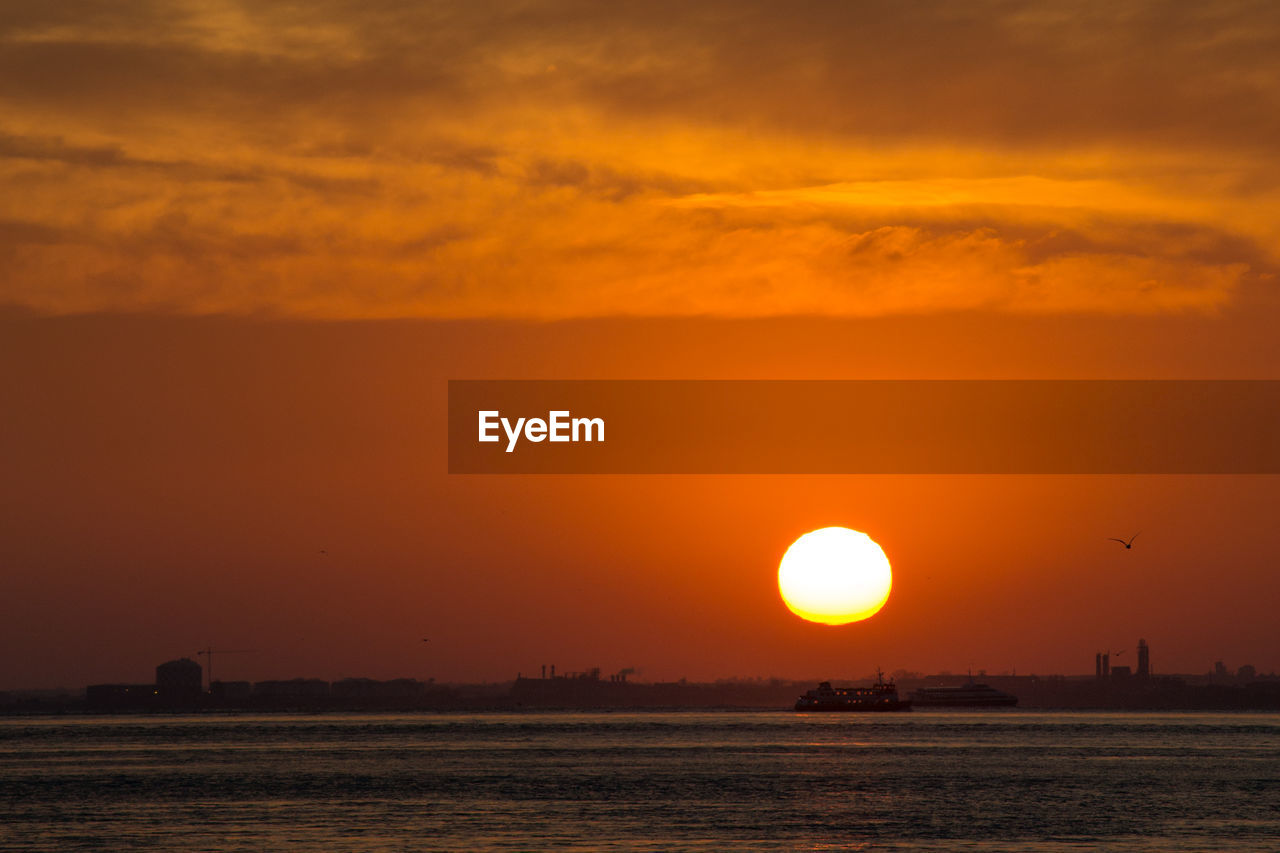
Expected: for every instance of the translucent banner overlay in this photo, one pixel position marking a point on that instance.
(864, 427)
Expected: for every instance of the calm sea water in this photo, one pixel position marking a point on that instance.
(1018, 780)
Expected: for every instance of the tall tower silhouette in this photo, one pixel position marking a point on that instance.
(1144, 660)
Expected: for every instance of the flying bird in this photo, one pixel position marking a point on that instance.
(1127, 545)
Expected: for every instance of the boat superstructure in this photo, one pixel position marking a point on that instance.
(881, 696)
(969, 695)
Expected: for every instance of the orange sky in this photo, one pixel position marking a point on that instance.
(243, 246)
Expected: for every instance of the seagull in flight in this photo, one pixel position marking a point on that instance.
(1128, 545)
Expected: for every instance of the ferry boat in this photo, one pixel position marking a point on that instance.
(881, 696)
(970, 695)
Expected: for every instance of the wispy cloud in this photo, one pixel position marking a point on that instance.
(564, 158)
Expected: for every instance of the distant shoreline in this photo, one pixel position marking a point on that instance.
(1035, 693)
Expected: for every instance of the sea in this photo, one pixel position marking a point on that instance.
(1011, 780)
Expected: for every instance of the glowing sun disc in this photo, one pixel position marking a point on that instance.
(834, 576)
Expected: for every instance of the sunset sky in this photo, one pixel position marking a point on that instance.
(243, 247)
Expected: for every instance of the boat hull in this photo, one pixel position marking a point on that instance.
(966, 703)
(901, 705)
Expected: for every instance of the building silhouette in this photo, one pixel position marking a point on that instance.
(119, 696)
(179, 681)
(294, 688)
(1104, 671)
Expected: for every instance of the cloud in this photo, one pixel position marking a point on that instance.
(41, 148)
(561, 158)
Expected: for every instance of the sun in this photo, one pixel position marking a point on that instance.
(834, 576)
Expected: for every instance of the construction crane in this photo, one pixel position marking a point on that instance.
(208, 653)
